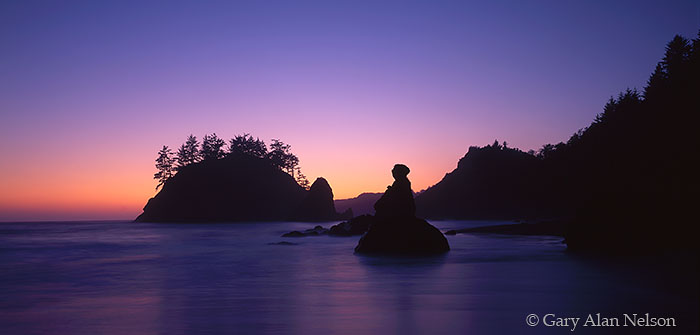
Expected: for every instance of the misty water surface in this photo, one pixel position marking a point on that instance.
(130, 278)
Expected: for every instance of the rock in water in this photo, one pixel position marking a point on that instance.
(315, 231)
(414, 236)
(318, 204)
(236, 188)
(239, 187)
(356, 226)
(395, 228)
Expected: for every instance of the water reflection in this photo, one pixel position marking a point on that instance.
(111, 278)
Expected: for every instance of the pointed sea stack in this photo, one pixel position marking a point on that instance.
(318, 204)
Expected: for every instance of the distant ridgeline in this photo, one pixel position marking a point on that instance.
(627, 181)
(244, 183)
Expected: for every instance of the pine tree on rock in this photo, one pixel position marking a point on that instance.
(245, 144)
(281, 156)
(188, 153)
(164, 165)
(212, 147)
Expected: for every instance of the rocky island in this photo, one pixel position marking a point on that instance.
(239, 187)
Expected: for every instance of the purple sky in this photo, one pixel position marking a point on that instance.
(89, 91)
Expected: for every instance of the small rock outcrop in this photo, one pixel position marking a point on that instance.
(353, 227)
(315, 231)
(318, 204)
(395, 229)
(356, 226)
(282, 243)
(543, 228)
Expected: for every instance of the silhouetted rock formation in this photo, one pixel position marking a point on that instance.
(410, 236)
(626, 183)
(395, 228)
(363, 204)
(352, 227)
(315, 231)
(318, 204)
(550, 228)
(282, 243)
(493, 182)
(239, 187)
(397, 201)
(355, 226)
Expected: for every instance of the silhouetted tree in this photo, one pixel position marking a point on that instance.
(188, 153)
(695, 56)
(245, 144)
(281, 156)
(576, 137)
(607, 109)
(624, 101)
(212, 147)
(546, 151)
(301, 179)
(164, 164)
(675, 60)
(657, 81)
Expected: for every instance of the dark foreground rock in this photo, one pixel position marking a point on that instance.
(356, 226)
(548, 228)
(412, 236)
(395, 229)
(315, 231)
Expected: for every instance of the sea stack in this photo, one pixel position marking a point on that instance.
(395, 228)
(318, 205)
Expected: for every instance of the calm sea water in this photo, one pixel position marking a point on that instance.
(136, 278)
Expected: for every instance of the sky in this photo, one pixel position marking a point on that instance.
(91, 90)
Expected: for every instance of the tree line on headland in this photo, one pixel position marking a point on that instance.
(628, 179)
(213, 148)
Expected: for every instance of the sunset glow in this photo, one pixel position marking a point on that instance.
(90, 91)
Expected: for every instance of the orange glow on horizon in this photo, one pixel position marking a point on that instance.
(111, 176)
(104, 190)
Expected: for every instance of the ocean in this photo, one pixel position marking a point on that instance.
(236, 278)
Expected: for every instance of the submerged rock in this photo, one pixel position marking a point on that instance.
(315, 231)
(356, 226)
(283, 243)
(546, 228)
